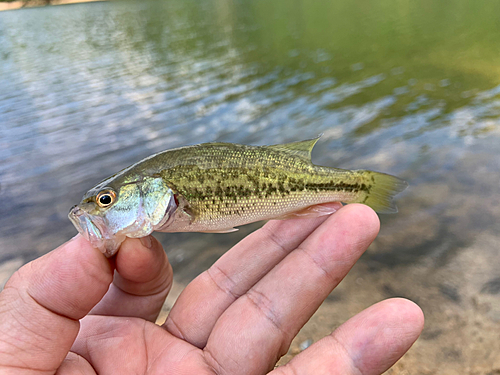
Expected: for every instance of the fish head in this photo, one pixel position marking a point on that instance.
(110, 212)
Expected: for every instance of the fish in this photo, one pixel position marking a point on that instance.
(215, 187)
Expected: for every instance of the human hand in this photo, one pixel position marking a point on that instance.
(74, 311)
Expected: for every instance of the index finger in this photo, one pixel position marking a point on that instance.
(141, 282)
(207, 297)
(42, 303)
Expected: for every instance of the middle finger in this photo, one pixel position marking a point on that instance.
(258, 328)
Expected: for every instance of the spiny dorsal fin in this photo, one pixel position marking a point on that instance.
(301, 148)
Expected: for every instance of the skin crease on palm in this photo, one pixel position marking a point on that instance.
(73, 311)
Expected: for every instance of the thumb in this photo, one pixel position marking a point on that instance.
(42, 303)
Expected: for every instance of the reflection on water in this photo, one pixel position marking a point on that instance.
(409, 88)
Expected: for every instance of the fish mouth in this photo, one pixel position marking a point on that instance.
(94, 233)
(86, 227)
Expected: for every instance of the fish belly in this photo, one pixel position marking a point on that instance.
(246, 211)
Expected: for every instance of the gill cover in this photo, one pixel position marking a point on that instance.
(158, 203)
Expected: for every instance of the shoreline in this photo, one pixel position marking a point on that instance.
(19, 4)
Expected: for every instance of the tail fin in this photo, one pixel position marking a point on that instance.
(383, 188)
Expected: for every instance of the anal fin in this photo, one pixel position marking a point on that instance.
(230, 230)
(312, 211)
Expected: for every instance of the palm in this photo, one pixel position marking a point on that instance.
(134, 345)
(240, 316)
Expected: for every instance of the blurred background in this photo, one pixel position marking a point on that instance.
(410, 88)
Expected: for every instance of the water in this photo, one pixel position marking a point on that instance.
(408, 88)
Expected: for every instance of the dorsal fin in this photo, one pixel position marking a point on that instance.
(301, 148)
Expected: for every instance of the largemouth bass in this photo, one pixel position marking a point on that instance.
(214, 187)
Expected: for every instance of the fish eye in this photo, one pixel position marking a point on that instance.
(105, 198)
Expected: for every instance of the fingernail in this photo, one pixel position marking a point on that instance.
(147, 242)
